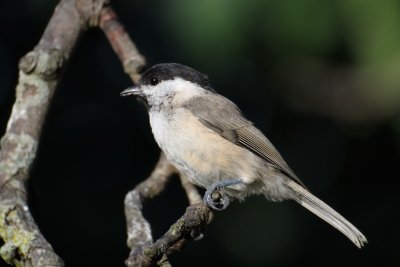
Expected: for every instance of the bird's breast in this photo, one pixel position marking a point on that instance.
(197, 151)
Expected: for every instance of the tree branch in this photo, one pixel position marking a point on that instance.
(39, 71)
(24, 245)
(190, 226)
(139, 230)
(123, 46)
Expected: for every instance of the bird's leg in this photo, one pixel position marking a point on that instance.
(216, 199)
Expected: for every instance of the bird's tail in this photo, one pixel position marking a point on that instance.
(322, 210)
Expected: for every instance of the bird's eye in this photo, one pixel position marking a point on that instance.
(154, 81)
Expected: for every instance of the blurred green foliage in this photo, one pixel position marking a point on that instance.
(359, 40)
(372, 29)
(227, 28)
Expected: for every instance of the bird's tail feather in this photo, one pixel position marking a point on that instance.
(322, 210)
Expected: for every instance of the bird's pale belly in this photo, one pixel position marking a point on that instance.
(200, 153)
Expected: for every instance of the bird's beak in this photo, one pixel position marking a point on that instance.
(132, 91)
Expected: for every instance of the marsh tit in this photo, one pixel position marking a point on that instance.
(206, 137)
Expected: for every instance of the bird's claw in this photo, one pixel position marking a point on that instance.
(216, 199)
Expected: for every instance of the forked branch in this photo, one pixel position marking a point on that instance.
(39, 71)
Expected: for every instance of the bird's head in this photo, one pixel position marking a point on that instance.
(168, 83)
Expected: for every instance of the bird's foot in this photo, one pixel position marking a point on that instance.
(215, 198)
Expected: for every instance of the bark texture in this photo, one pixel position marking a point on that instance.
(39, 71)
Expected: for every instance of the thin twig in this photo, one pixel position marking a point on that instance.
(24, 245)
(120, 41)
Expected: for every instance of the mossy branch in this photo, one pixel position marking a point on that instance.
(39, 73)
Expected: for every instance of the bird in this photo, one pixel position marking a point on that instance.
(207, 138)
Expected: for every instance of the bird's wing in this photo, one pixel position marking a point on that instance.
(222, 116)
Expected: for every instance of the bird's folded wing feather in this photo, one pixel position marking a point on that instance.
(222, 116)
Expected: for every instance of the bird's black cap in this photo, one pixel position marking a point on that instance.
(169, 71)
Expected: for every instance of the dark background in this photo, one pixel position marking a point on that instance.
(320, 78)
